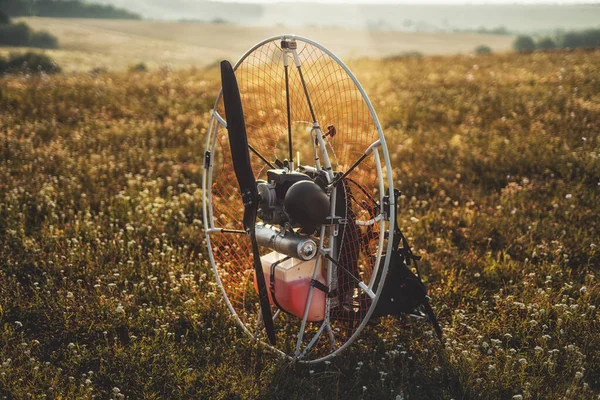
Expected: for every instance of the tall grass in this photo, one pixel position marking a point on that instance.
(105, 290)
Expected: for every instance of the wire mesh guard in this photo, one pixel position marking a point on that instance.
(352, 133)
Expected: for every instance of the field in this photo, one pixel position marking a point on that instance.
(86, 44)
(105, 290)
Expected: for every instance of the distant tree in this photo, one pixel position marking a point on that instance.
(15, 34)
(546, 43)
(581, 39)
(500, 30)
(483, 49)
(79, 9)
(4, 18)
(21, 35)
(524, 44)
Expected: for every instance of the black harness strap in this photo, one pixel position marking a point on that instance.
(318, 285)
(399, 237)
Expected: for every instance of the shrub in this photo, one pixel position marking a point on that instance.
(483, 49)
(30, 63)
(546, 43)
(15, 34)
(524, 44)
(43, 40)
(139, 67)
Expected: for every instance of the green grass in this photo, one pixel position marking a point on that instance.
(105, 290)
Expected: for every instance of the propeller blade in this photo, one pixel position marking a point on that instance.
(238, 142)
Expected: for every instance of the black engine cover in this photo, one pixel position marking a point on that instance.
(307, 205)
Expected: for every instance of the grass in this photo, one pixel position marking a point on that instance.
(117, 44)
(104, 286)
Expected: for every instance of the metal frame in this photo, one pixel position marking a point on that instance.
(208, 216)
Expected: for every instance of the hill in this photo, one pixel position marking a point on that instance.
(116, 44)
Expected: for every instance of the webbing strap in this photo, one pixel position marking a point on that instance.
(321, 286)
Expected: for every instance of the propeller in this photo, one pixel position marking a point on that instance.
(238, 142)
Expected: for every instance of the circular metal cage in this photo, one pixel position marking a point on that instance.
(327, 105)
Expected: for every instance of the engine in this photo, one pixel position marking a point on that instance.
(292, 198)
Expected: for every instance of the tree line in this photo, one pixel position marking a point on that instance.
(64, 9)
(589, 38)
